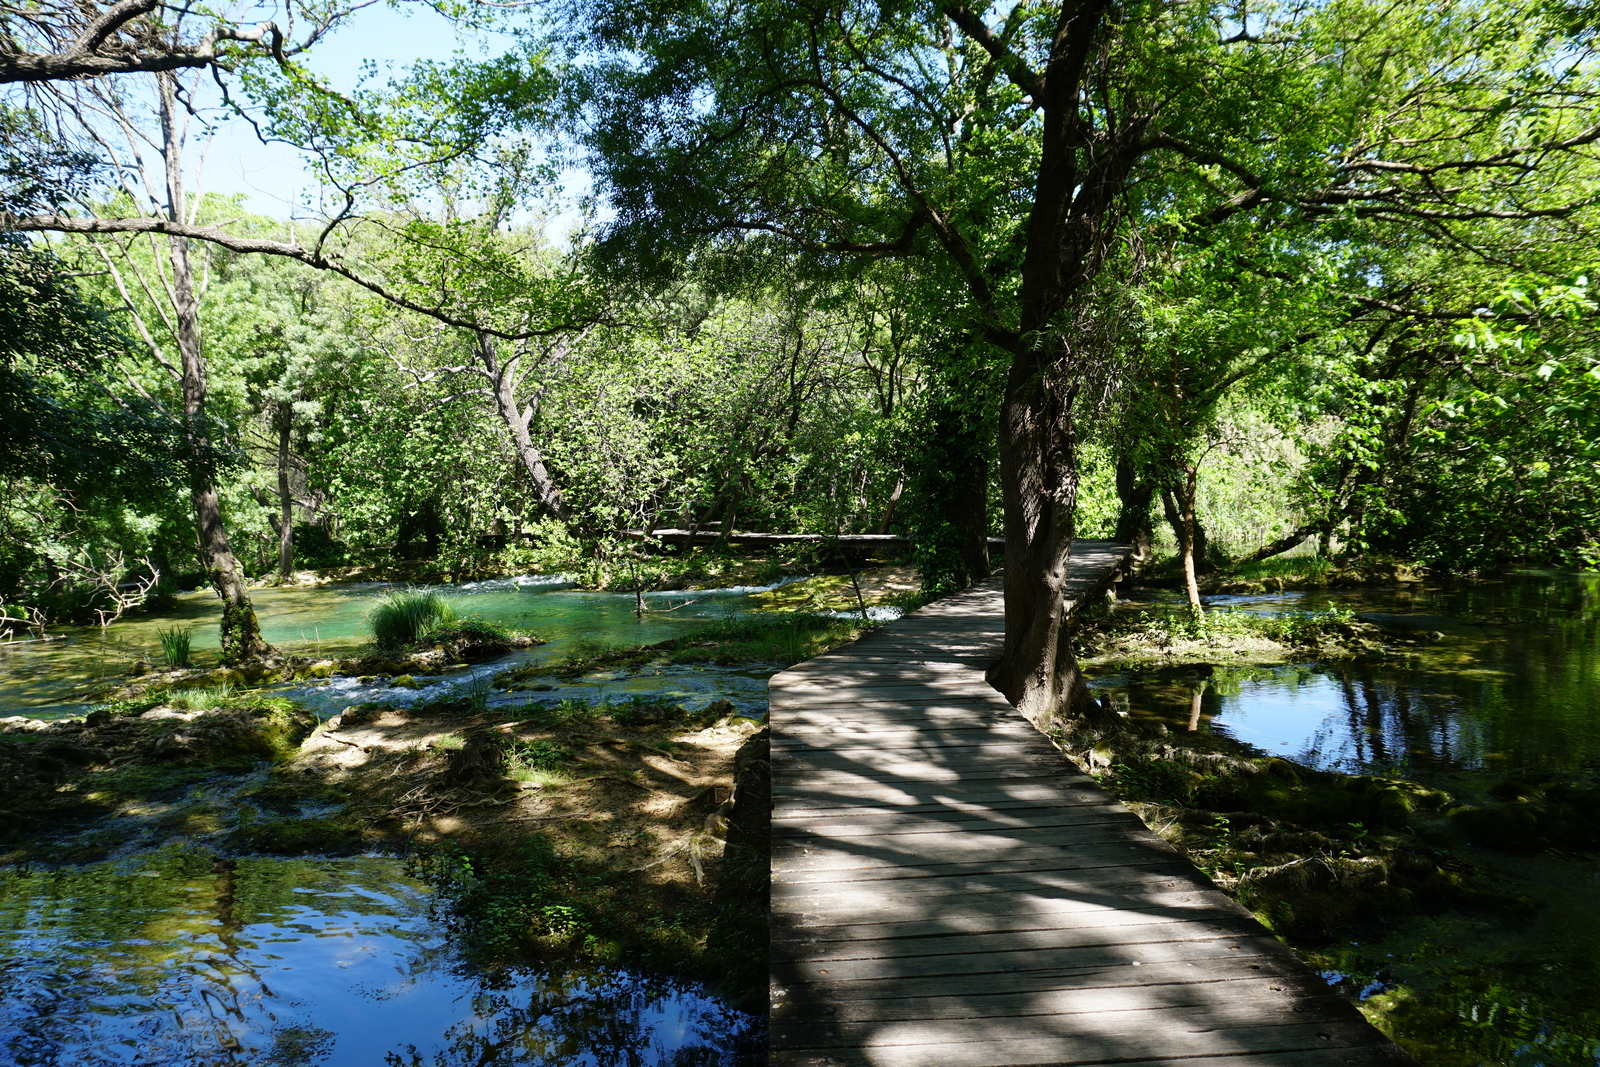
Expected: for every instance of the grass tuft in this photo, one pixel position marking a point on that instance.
(205, 699)
(403, 617)
(175, 646)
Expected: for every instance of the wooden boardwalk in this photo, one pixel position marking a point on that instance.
(948, 890)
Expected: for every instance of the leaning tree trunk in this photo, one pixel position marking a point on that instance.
(518, 417)
(241, 633)
(1038, 671)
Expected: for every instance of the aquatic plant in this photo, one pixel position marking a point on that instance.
(175, 645)
(403, 616)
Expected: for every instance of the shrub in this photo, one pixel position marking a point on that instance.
(402, 616)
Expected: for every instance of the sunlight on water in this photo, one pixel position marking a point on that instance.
(178, 959)
(1501, 681)
(330, 621)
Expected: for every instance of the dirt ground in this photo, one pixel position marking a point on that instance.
(640, 798)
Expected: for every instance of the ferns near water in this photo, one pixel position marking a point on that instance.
(175, 646)
(401, 617)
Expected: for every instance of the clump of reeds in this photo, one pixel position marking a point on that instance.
(402, 616)
(175, 646)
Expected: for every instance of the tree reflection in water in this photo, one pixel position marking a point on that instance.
(596, 1019)
(178, 959)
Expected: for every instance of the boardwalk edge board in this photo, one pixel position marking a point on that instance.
(948, 890)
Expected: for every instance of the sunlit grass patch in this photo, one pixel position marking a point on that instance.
(787, 638)
(208, 698)
(538, 762)
(1164, 626)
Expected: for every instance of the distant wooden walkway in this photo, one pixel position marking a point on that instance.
(948, 890)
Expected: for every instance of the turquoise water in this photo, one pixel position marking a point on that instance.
(176, 959)
(53, 678)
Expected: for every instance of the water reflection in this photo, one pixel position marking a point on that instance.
(181, 959)
(1490, 681)
(1501, 677)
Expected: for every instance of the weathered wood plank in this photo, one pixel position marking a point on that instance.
(1384, 1055)
(948, 890)
(1046, 979)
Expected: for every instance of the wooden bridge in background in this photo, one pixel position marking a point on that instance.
(947, 889)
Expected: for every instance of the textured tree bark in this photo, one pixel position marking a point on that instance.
(1038, 671)
(1081, 174)
(241, 632)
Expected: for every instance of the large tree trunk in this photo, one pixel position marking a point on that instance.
(1039, 487)
(241, 633)
(1082, 172)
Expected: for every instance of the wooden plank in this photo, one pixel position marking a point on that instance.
(1110, 953)
(1073, 1000)
(1113, 1037)
(1045, 979)
(948, 889)
(823, 866)
(1383, 1055)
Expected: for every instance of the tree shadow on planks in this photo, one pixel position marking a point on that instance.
(948, 890)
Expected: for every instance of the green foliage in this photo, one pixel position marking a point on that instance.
(403, 617)
(205, 698)
(786, 637)
(175, 645)
(1163, 626)
(1309, 568)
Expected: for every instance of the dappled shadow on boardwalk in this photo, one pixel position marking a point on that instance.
(948, 890)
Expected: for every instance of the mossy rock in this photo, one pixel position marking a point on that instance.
(405, 681)
(321, 669)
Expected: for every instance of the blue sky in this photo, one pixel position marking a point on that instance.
(273, 176)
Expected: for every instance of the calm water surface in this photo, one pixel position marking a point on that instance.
(175, 959)
(1510, 686)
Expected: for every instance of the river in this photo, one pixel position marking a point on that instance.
(174, 958)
